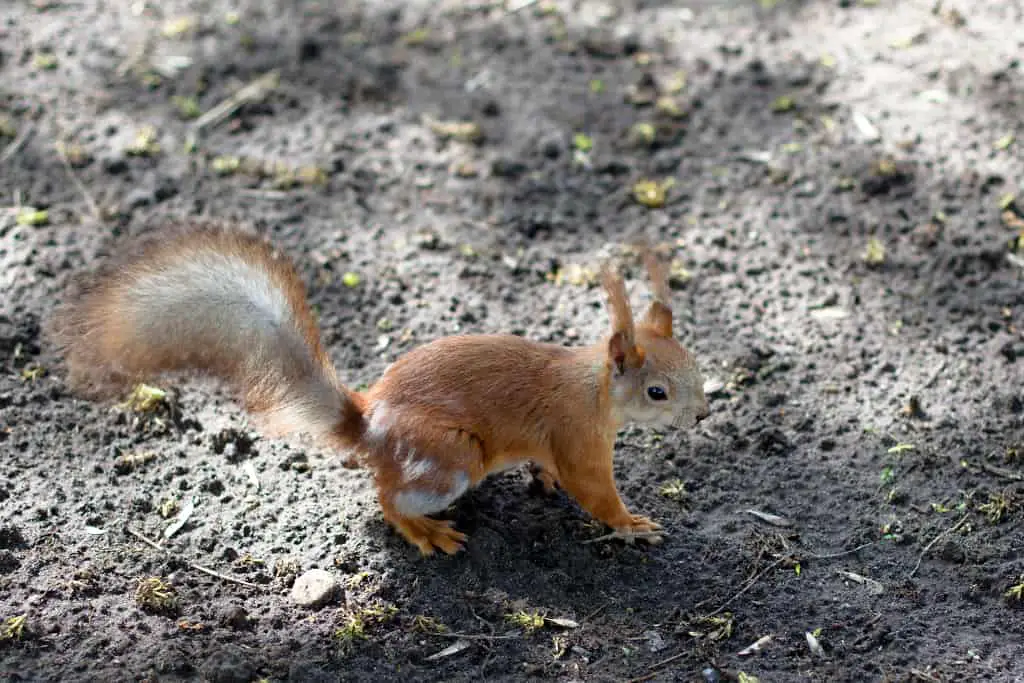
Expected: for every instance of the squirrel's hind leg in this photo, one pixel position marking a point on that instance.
(422, 476)
(407, 504)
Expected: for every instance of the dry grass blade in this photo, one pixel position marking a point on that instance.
(199, 568)
(750, 584)
(253, 92)
(956, 527)
(94, 208)
(18, 142)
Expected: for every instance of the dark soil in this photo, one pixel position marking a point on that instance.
(826, 368)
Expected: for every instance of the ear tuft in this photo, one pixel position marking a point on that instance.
(659, 319)
(659, 314)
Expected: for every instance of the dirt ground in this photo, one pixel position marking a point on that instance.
(843, 220)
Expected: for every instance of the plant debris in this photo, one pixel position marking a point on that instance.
(145, 143)
(528, 621)
(582, 142)
(712, 628)
(1004, 142)
(32, 217)
(45, 61)
(1015, 593)
(188, 107)
(144, 399)
(130, 461)
(755, 647)
(774, 520)
(783, 103)
(651, 193)
(13, 628)
(156, 595)
(674, 490)
(465, 131)
(874, 253)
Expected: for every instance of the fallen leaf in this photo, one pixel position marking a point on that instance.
(453, 649)
(182, 518)
(1004, 142)
(755, 647)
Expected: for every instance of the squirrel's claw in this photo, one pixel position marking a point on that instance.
(640, 528)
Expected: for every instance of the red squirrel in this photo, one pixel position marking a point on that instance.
(217, 301)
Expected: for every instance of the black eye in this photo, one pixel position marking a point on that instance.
(657, 393)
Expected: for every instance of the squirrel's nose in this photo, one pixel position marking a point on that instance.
(702, 415)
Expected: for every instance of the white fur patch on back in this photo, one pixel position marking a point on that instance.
(381, 419)
(418, 502)
(414, 467)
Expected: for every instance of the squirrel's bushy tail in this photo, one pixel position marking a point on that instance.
(218, 302)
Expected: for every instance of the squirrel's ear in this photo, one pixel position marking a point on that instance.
(659, 313)
(618, 304)
(623, 353)
(659, 318)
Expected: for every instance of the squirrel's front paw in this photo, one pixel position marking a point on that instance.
(640, 527)
(544, 479)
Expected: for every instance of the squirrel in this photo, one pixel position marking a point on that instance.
(217, 301)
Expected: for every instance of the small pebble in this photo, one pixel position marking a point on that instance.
(315, 588)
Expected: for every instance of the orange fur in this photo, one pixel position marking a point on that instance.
(441, 419)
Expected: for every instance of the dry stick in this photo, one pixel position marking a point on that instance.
(94, 209)
(520, 6)
(843, 553)
(947, 532)
(655, 667)
(647, 535)
(935, 375)
(19, 142)
(1000, 472)
(254, 91)
(477, 636)
(199, 568)
(595, 612)
(750, 584)
(653, 671)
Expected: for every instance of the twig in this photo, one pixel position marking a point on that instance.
(477, 636)
(1000, 472)
(254, 91)
(198, 567)
(647, 535)
(595, 612)
(519, 6)
(18, 142)
(94, 209)
(749, 585)
(1015, 260)
(935, 375)
(844, 553)
(653, 670)
(947, 532)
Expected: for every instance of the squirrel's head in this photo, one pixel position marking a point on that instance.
(653, 378)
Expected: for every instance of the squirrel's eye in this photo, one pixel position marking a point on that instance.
(657, 393)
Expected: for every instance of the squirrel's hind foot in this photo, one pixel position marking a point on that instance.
(429, 534)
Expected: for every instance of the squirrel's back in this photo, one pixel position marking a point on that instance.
(215, 301)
